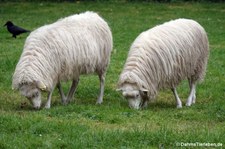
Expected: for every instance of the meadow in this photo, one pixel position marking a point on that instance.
(82, 124)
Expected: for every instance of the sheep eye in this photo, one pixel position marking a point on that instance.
(36, 94)
(33, 96)
(24, 83)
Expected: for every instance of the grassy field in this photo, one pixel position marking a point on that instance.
(82, 124)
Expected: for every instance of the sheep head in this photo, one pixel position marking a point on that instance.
(137, 98)
(32, 91)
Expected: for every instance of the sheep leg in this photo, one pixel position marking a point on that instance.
(192, 97)
(102, 85)
(72, 90)
(62, 95)
(48, 103)
(191, 83)
(144, 104)
(179, 103)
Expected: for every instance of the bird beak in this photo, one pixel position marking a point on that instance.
(5, 25)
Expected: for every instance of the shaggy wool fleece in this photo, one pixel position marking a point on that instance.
(165, 55)
(78, 44)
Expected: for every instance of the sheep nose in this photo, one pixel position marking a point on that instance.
(36, 107)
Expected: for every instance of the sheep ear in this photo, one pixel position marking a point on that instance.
(41, 85)
(145, 91)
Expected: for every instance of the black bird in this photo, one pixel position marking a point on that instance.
(15, 30)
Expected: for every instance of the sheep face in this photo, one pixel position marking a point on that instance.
(136, 97)
(32, 93)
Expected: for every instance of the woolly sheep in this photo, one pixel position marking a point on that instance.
(62, 51)
(162, 57)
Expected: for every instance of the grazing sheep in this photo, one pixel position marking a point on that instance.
(161, 58)
(62, 51)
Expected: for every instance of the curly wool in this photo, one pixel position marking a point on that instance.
(165, 55)
(78, 44)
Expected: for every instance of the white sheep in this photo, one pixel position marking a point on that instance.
(162, 57)
(62, 51)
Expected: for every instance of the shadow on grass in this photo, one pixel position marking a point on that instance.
(161, 105)
(83, 98)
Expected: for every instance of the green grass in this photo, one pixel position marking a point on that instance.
(82, 124)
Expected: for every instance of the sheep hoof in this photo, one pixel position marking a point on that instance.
(188, 104)
(64, 103)
(179, 106)
(99, 102)
(47, 106)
